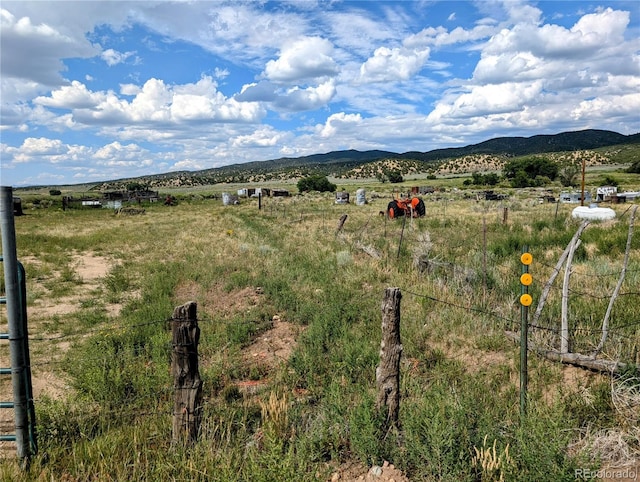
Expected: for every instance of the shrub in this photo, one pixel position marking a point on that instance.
(395, 176)
(530, 171)
(634, 168)
(316, 182)
(568, 173)
(478, 179)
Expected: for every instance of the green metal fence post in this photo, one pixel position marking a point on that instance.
(16, 327)
(525, 302)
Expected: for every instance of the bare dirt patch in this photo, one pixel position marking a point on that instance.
(218, 302)
(270, 348)
(274, 346)
(89, 269)
(353, 472)
(226, 304)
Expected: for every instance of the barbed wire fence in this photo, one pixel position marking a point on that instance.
(549, 333)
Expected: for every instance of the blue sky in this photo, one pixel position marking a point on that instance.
(97, 90)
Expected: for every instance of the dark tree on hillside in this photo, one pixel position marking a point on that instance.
(478, 179)
(135, 186)
(634, 168)
(395, 176)
(315, 182)
(568, 173)
(530, 171)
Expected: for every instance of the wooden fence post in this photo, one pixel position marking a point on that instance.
(388, 371)
(343, 219)
(187, 408)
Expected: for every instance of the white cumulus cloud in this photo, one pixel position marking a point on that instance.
(389, 65)
(306, 58)
(113, 57)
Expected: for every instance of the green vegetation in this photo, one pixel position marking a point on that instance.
(315, 182)
(136, 186)
(478, 179)
(568, 172)
(634, 168)
(394, 176)
(530, 171)
(253, 271)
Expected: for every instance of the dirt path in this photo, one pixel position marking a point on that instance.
(89, 269)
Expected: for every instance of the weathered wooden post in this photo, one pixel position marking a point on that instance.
(388, 371)
(187, 408)
(341, 222)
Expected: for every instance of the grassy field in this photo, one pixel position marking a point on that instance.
(290, 313)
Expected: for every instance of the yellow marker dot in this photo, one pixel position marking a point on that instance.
(526, 279)
(526, 300)
(526, 258)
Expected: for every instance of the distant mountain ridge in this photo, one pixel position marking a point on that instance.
(337, 162)
(523, 146)
(508, 146)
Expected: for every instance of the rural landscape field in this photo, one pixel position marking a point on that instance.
(289, 310)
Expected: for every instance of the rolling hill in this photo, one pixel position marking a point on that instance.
(344, 163)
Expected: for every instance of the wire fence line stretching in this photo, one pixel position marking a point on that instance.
(505, 321)
(590, 274)
(603, 297)
(99, 330)
(161, 398)
(121, 328)
(461, 306)
(499, 316)
(508, 322)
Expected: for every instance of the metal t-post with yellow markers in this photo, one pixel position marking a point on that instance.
(525, 302)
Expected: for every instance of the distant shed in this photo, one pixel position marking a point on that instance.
(342, 197)
(262, 191)
(574, 197)
(606, 193)
(17, 206)
(279, 193)
(494, 196)
(246, 192)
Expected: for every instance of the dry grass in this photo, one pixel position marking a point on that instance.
(219, 256)
(612, 447)
(625, 394)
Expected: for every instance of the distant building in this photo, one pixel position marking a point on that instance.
(279, 193)
(629, 195)
(262, 191)
(246, 192)
(17, 206)
(604, 193)
(342, 197)
(574, 197)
